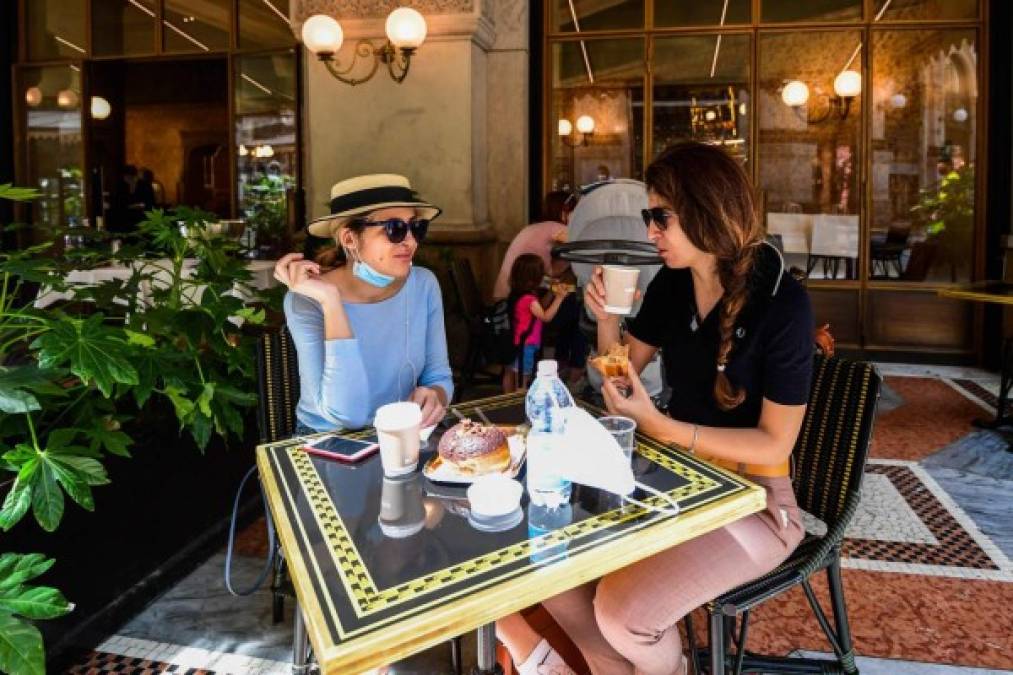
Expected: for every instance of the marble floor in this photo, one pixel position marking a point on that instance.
(927, 565)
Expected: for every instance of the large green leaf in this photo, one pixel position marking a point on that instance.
(38, 602)
(21, 568)
(105, 434)
(21, 650)
(96, 353)
(86, 469)
(16, 504)
(19, 384)
(47, 498)
(17, 194)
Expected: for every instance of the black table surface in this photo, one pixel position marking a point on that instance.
(357, 584)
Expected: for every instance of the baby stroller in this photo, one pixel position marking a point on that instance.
(606, 228)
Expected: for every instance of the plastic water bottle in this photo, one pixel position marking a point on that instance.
(541, 521)
(545, 405)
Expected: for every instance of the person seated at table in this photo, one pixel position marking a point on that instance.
(736, 335)
(367, 325)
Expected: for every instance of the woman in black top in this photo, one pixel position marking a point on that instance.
(736, 337)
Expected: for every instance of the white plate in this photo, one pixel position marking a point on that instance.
(445, 473)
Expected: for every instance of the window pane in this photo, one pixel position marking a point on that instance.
(54, 157)
(927, 9)
(55, 29)
(809, 140)
(701, 92)
(196, 25)
(584, 15)
(811, 10)
(924, 115)
(264, 24)
(123, 27)
(668, 13)
(599, 81)
(265, 131)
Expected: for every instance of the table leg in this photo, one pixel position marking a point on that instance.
(300, 644)
(487, 664)
(717, 640)
(1005, 384)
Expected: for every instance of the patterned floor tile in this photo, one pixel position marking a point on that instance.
(904, 432)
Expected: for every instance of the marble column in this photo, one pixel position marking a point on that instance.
(457, 126)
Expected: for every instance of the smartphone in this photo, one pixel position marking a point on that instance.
(341, 449)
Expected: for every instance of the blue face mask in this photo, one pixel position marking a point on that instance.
(363, 271)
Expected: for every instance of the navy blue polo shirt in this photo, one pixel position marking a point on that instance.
(772, 356)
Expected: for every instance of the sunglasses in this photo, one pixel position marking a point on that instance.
(658, 215)
(397, 229)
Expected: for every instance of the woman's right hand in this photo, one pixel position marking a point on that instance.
(594, 296)
(303, 277)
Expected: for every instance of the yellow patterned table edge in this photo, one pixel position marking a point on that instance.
(973, 293)
(480, 606)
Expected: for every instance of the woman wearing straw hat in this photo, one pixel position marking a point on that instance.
(367, 325)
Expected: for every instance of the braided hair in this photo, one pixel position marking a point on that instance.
(712, 196)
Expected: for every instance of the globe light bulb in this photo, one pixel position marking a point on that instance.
(67, 98)
(960, 115)
(33, 96)
(585, 124)
(406, 28)
(100, 108)
(795, 93)
(898, 101)
(322, 35)
(848, 84)
(565, 127)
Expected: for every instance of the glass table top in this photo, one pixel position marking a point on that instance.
(378, 551)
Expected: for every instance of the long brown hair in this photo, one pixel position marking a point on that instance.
(526, 274)
(712, 196)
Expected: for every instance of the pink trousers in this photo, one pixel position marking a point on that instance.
(625, 622)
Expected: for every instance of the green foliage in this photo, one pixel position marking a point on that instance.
(20, 642)
(265, 205)
(948, 207)
(74, 374)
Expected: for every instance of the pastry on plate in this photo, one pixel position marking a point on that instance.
(472, 448)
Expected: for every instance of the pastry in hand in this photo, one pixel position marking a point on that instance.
(474, 449)
(613, 363)
(562, 288)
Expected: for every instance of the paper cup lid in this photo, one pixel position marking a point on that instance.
(401, 415)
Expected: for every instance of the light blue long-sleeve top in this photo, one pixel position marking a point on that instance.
(397, 344)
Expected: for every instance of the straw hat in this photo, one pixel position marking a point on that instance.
(363, 194)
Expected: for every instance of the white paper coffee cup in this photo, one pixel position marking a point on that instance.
(620, 288)
(397, 431)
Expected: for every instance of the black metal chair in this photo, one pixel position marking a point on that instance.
(473, 309)
(278, 394)
(828, 466)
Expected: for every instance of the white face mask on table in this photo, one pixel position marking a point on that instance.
(590, 456)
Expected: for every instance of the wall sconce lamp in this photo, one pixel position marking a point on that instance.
(406, 31)
(585, 127)
(847, 85)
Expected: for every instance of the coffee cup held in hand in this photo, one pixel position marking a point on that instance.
(397, 431)
(620, 288)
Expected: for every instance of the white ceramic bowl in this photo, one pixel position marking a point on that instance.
(494, 495)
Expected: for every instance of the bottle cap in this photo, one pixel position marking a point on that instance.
(547, 367)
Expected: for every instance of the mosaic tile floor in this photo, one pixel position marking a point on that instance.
(927, 565)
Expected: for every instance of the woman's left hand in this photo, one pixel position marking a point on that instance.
(432, 406)
(638, 405)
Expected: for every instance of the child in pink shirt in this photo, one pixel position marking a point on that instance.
(527, 314)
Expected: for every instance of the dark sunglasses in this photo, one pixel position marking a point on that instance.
(397, 229)
(658, 215)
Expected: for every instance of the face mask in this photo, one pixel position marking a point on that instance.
(362, 270)
(592, 457)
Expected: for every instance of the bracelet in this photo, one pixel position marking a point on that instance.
(696, 434)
